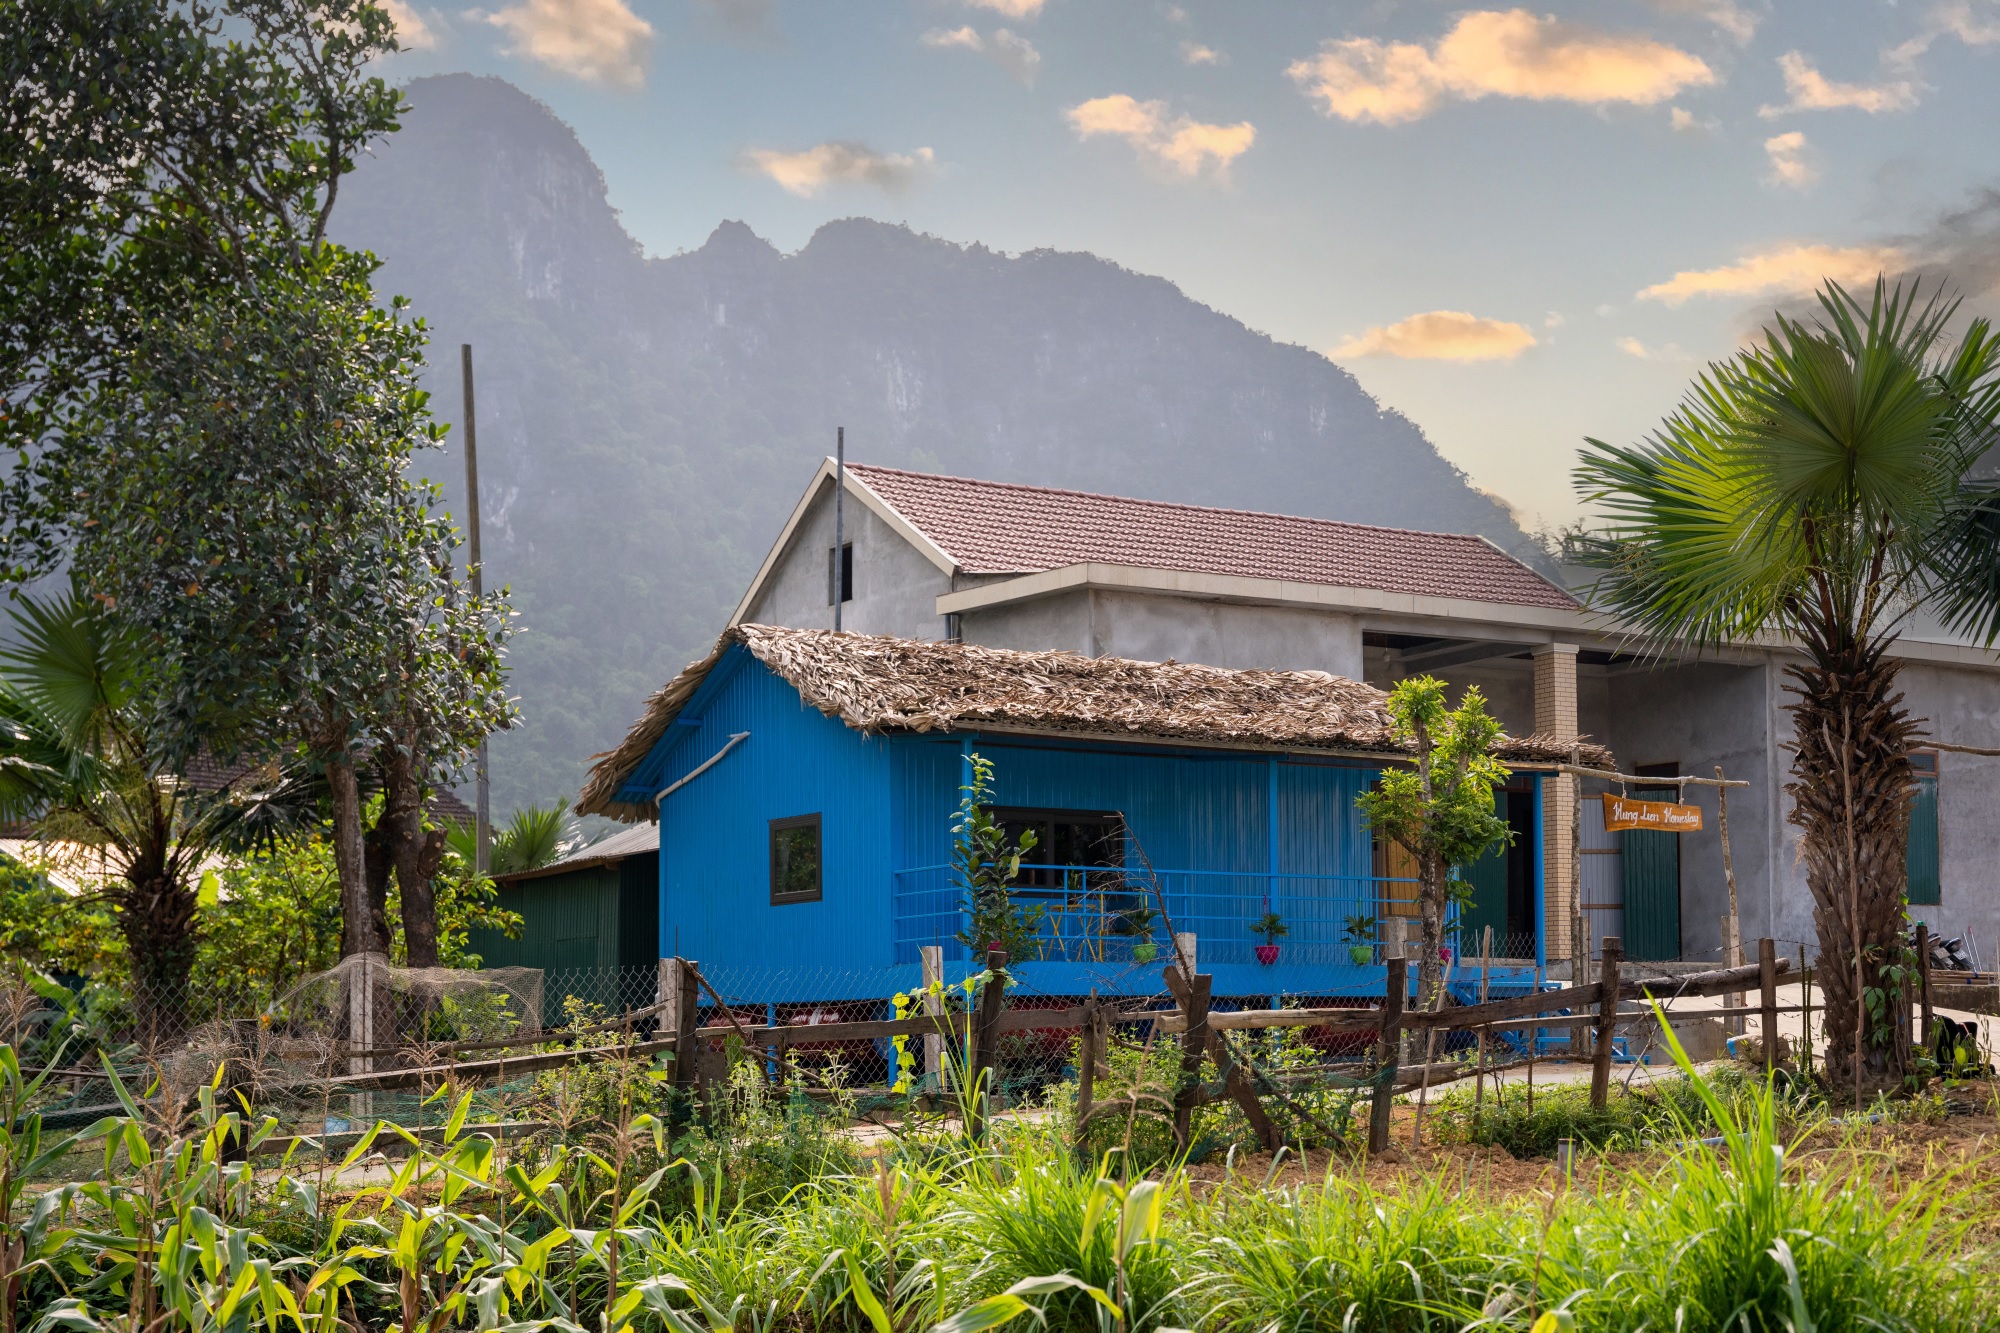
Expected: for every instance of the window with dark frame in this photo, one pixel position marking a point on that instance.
(1074, 840)
(1924, 861)
(846, 573)
(795, 860)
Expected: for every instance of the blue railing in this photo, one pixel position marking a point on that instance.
(1090, 914)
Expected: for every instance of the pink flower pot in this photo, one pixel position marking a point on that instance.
(1267, 954)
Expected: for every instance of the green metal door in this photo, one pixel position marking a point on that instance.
(1650, 862)
(1488, 878)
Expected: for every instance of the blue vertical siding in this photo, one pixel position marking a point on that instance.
(714, 833)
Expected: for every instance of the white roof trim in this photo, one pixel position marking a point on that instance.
(1463, 618)
(860, 490)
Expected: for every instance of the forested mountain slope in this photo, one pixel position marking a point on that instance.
(645, 424)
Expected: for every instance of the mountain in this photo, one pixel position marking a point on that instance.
(646, 423)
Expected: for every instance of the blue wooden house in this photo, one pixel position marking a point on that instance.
(805, 783)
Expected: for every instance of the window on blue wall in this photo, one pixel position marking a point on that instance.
(1925, 866)
(1076, 851)
(795, 876)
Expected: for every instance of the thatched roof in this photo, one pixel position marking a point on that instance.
(876, 683)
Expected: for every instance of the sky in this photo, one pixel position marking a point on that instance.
(1519, 227)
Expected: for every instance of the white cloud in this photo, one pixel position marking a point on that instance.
(1194, 53)
(1011, 52)
(1182, 144)
(1633, 347)
(1726, 15)
(412, 33)
(1175, 14)
(598, 41)
(1442, 335)
(1552, 320)
(1957, 18)
(1013, 9)
(1789, 165)
(1494, 53)
(1813, 91)
(1792, 270)
(809, 171)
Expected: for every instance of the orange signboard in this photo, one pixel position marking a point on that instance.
(1667, 817)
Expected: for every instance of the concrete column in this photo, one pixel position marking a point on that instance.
(1555, 717)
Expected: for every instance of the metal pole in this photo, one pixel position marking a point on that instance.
(483, 835)
(839, 521)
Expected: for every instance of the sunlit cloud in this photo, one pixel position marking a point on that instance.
(1442, 335)
(1186, 146)
(1194, 53)
(1791, 270)
(1813, 91)
(1013, 9)
(412, 33)
(1789, 166)
(598, 41)
(810, 171)
(1634, 348)
(1010, 51)
(1494, 53)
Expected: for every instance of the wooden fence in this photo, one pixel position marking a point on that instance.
(1590, 1011)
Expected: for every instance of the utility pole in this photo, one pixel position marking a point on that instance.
(483, 857)
(839, 526)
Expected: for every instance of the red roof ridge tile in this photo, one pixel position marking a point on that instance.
(982, 482)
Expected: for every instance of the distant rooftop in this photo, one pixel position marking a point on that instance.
(991, 527)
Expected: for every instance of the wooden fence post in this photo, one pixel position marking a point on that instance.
(1767, 998)
(1086, 1067)
(986, 1043)
(1924, 985)
(1194, 1041)
(686, 996)
(1393, 997)
(1607, 1021)
(932, 956)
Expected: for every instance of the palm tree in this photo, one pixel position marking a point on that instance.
(536, 836)
(76, 762)
(1820, 485)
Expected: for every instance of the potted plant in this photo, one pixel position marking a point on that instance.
(1272, 927)
(1360, 933)
(1137, 921)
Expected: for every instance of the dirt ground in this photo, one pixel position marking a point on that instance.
(1960, 1154)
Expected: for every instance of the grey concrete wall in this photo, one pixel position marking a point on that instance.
(1046, 623)
(1961, 707)
(895, 587)
(1696, 717)
(1151, 627)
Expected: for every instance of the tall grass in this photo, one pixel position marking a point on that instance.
(1752, 1236)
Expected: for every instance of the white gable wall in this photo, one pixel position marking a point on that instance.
(896, 587)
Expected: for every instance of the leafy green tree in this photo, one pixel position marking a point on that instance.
(1822, 485)
(1441, 809)
(80, 764)
(214, 416)
(50, 930)
(986, 861)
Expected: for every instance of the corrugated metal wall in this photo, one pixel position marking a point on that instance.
(714, 862)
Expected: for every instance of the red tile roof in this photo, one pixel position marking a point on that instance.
(991, 527)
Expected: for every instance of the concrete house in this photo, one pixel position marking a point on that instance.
(947, 558)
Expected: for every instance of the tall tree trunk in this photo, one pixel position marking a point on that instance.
(416, 853)
(350, 859)
(156, 915)
(1430, 905)
(378, 853)
(1852, 789)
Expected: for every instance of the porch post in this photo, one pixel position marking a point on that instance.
(1555, 717)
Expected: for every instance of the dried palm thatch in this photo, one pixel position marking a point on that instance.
(876, 683)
